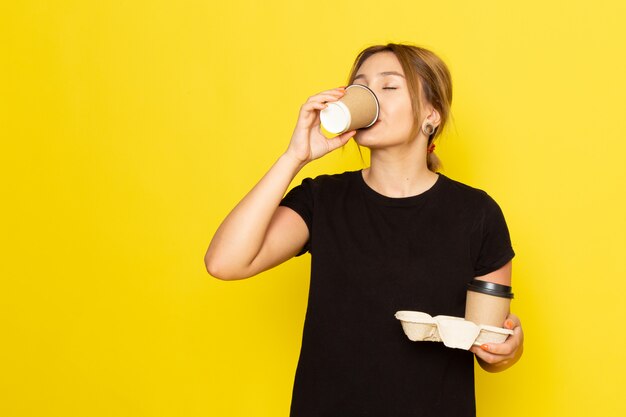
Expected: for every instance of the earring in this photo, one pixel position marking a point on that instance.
(428, 128)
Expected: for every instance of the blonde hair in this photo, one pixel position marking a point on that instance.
(427, 77)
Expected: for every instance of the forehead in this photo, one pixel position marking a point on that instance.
(380, 62)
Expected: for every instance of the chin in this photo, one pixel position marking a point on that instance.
(366, 138)
(372, 140)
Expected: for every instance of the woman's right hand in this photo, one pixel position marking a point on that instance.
(308, 142)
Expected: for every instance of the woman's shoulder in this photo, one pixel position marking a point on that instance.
(332, 180)
(327, 186)
(466, 193)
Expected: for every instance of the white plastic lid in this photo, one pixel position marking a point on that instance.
(335, 118)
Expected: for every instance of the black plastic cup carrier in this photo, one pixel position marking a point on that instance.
(490, 288)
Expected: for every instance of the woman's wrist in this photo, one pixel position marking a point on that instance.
(291, 161)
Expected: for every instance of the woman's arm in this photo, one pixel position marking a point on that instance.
(238, 248)
(258, 233)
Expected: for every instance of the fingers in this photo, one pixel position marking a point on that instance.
(339, 91)
(512, 321)
(324, 97)
(487, 357)
(501, 353)
(508, 347)
(308, 106)
(481, 353)
(347, 135)
(317, 102)
(328, 95)
(308, 134)
(338, 141)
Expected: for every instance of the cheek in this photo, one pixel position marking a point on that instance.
(403, 116)
(400, 109)
(407, 114)
(407, 109)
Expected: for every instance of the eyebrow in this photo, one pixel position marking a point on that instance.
(384, 74)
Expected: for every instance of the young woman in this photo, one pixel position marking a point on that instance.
(395, 236)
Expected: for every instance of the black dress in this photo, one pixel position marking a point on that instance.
(373, 255)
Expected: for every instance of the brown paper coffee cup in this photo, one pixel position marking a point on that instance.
(357, 109)
(487, 303)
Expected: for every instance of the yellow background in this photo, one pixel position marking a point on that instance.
(129, 129)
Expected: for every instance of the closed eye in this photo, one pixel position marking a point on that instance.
(390, 88)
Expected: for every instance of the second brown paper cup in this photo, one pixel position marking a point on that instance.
(487, 303)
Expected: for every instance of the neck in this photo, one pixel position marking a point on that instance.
(399, 172)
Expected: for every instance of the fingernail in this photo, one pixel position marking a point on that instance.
(485, 347)
(509, 324)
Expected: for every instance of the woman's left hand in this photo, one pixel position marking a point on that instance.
(496, 357)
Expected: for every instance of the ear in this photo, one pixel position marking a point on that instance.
(433, 116)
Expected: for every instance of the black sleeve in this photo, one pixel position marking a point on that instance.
(491, 241)
(300, 200)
